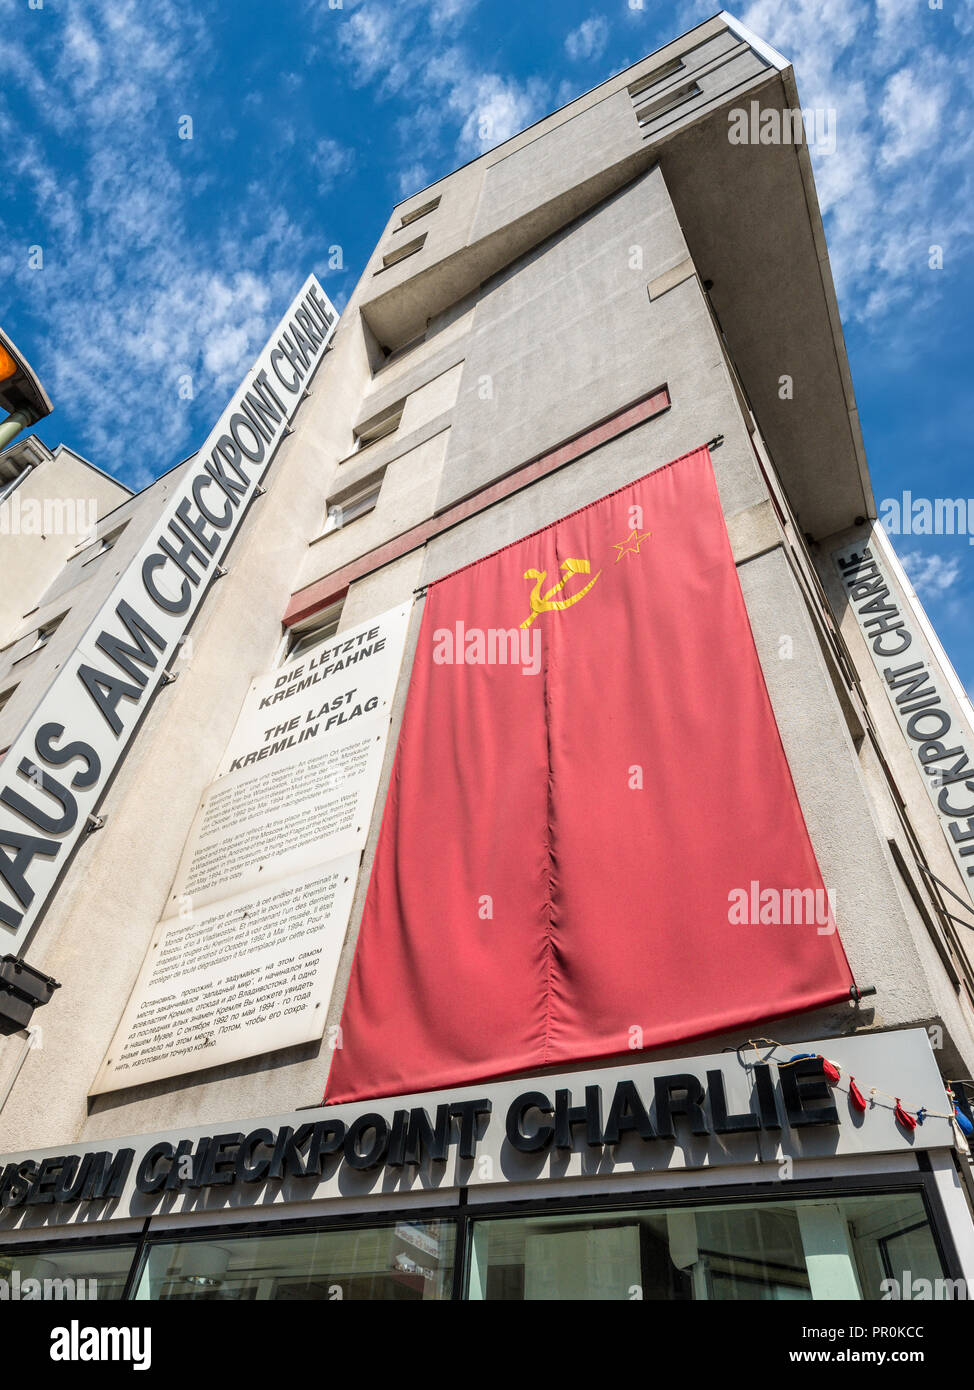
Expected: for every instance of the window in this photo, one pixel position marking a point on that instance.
(417, 213)
(315, 631)
(99, 548)
(834, 1248)
(860, 1247)
(350, 508)
(408, 1262)
(76, 1271)
(379, 426)
(43, 636)
(399, 253)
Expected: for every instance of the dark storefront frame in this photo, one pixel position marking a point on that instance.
(462, 1214)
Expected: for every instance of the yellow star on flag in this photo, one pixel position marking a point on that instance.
(630, 546)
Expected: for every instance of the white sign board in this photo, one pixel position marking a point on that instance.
(244, 976)
(309, 804)
(330, 688)
(244, 962)
(59, 766)
(751, 1111)
(929, 716)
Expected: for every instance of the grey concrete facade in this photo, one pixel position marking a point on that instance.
(619, 246)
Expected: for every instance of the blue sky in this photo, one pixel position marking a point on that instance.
(163, 256)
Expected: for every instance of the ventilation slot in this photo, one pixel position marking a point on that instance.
(654, 78)
(668, 102)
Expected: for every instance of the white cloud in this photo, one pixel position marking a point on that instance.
(492, 108)
(132, 297)
(374, 41)
(135, 295)
(931, 575)
(412, 178)
(911, 110)
(588, 41)
(899, 180)
(489, 107)
(444, 12)
(330, 159)
(395, 44)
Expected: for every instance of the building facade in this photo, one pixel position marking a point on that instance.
(618, 288)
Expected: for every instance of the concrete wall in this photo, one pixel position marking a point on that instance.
(43, 521)
(94, 936)
(511, 198)
(565, 331)
(72, 587)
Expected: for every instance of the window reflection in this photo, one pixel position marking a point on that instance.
(94, 1273)
(837, 1249)
(411, 1261)
(861, 1247)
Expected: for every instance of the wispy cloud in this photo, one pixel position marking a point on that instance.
(931, 575)
(412, 178)
(330, 160)
(168, 260)
(588, 41)
(144, 312)
(459, 106)
(489, 108)
(900, 179)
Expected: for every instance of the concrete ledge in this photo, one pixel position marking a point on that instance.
(358, 467)
(671, 278)
(753, 532)
(425, 371)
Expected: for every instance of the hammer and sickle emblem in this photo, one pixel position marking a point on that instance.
(544, 603)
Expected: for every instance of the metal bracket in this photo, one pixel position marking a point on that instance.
(94, 823)
(855, 993)
(220, 572)
(168, 677)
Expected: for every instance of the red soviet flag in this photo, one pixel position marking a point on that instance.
(591, 841)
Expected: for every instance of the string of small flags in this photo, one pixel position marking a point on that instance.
(962, 1119)
(906, 1116)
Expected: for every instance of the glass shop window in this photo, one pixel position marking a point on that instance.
(410, 1261)
(94, 1273)
(843, 1248)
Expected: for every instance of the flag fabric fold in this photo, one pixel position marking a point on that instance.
(591, 842)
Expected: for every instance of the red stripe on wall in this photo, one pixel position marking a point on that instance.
(327, 590)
